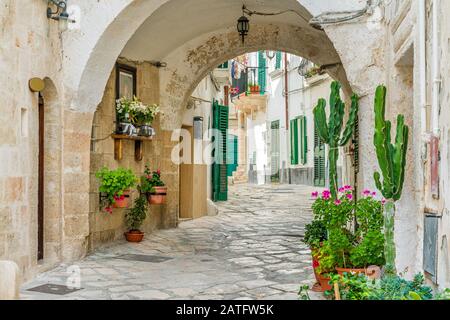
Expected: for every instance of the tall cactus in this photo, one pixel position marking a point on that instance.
(331, 133)
(392, 160)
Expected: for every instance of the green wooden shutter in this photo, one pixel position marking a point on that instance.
(232, 154)
(278, 60)
(261, 72)
(219, 167)
(294, 141)
(303, 140)
(275, 151)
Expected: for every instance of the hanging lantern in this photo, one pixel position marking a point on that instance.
(243, 25)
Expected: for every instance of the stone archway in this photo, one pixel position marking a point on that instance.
(189, 58)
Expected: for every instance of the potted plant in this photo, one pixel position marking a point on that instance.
(354, 242)
(134, 219)
(141, 115)
(153, 186)
(115, 184)
(315, 234)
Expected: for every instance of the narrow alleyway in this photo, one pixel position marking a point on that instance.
(252, 250)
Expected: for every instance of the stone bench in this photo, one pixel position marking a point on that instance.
(9, 280)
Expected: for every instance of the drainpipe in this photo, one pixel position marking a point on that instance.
(436, 70)
(286, 99)
(422, 67)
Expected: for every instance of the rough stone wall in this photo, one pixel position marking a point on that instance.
(28, 48)
(103, 227)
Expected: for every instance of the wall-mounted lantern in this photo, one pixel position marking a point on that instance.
(243, 25)
(60, 14)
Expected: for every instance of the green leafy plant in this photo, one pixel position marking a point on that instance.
(303, 292)
(136, 215)
(151, 179)
(113, 183)
(359, 287)
(351, 286)
(343, 245)
(330, 133)
(315, 233)
(393, 287)
(443, 295)
(391, 160)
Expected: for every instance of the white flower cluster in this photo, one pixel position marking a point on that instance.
(137, 111)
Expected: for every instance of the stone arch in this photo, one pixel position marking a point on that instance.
(113, 32)
(52, 173)
(190, 63)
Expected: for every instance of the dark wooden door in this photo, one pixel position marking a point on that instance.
(41, 181)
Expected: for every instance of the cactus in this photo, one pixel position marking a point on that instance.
(391, 160)
(331, 133)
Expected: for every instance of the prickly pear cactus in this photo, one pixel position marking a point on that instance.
(330, 133)
(392, 160)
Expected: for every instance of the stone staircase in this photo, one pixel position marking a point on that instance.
(239, 176)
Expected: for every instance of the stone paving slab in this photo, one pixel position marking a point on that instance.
(251, 250)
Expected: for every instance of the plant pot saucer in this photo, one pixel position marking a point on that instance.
(317, 287)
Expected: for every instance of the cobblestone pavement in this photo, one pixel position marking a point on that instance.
(251, 250)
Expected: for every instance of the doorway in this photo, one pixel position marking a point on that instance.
(40, 218)
(275, 151)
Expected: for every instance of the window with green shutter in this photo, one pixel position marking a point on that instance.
(278, 60)
(303, 140)
(299, 140)
(294, 141)
(261, 72)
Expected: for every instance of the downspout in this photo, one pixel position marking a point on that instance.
(286, 99)
(436, 70)
(422, 69)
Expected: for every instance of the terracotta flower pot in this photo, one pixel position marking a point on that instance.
(159, 196)
(134, 236)
(323, 280)
(123, 201)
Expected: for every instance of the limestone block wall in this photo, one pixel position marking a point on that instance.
(103, 227)
(28, 49)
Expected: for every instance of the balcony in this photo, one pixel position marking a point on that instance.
(222, 74)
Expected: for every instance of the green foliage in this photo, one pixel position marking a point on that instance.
(150, 180)
(443, 295)
(303, 292)
(391, 157)
(315, 233)
(330, 133)
(396, 288)
(370, 251)
(136, 215)
(359, 287)
(351, 286)
(114, 182)
(344, 246)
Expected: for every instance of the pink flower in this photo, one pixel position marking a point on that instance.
(149, 177)
(349, 196)
(108, 209)
(347, 187)
(158, 172)
(315, 194)
(366, 192)
(326, 194)
(341, 189)
(383, 201)
(374, 193)
(337, 202)
(315, 263)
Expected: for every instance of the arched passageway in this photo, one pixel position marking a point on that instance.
(142, 33)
